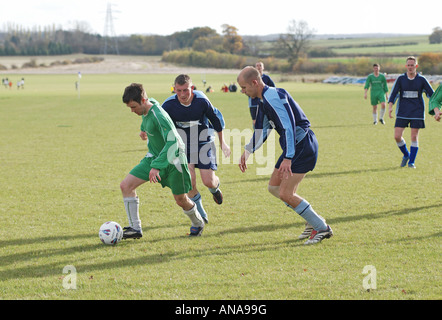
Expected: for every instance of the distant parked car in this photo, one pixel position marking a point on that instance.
(332, 80)
(345, 80)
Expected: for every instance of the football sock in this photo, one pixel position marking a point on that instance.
(214, 190)
(403, 147)
(381, 113)
(199, 204)
(194, 216)
(305, 210)
(413, 151)
(375, 117)
(132, 209)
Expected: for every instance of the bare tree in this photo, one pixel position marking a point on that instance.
(296, 40)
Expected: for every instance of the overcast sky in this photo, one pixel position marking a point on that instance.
(256, 17)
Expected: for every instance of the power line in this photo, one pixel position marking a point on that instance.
(110, 37)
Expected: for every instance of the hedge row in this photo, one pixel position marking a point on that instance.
(429, 63)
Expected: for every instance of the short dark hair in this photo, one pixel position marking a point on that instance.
(134, 92)
(375, 64)
(182, 79)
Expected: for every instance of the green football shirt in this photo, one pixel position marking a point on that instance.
(378, 84)
(164, 143)
(436, 100)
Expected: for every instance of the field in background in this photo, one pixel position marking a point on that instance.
(397, 45)
(63, 156)
(346, 56)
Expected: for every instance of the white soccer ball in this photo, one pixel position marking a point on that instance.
(110, 233)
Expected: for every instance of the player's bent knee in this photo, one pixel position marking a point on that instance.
(126, 187)
(123, 185)
(274, 190)
(183, 201)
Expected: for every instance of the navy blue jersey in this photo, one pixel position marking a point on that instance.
(409, 93)
(267, 80)
(279, 111)
(196, 121)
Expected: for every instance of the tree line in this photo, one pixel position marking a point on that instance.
(53, 41)
(200, 46)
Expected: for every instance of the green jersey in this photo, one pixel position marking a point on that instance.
(378, 84)
(164, 143)
(436, 100)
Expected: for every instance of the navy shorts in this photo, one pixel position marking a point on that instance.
(306, 154)
(205, 158)
(415, 124)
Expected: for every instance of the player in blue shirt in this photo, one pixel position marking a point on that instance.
(410, 110)
(196, 120)
(279, 111)
(254, 102)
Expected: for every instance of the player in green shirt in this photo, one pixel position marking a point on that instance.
(436, 103)
(378, 92)
(165, 162)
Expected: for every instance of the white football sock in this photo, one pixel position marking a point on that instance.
(132, 209)
(194, 216)
(381, 114)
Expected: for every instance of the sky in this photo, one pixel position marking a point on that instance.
(257, 17)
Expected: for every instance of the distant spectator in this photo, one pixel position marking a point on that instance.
(254, 102)
(21, 83)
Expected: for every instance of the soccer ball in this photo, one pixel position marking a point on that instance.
(110, 233)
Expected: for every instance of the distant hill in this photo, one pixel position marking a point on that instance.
(273, 37)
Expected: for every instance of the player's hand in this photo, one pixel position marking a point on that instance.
(243, 161)
(437, 114)
(143, 135)
(285, 169)
(226, 149)
(390, 110)
(154, 175)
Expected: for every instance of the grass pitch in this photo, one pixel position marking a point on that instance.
(63, 155)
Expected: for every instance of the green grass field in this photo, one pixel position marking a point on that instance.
(63, 156)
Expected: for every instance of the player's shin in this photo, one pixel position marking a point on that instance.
(305, 210)
(413, 151)
(194, 216)
(199, 204)
(132, 209)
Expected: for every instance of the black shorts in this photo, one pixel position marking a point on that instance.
(404, 123)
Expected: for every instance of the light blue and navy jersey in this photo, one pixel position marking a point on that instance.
(196, 121)
(279, 111)
(409, 93)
